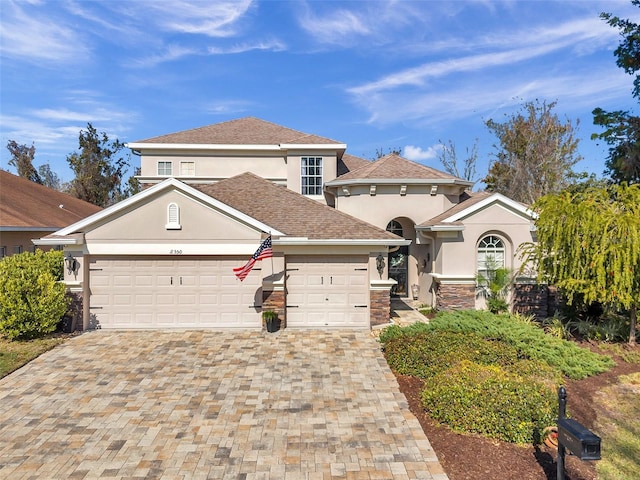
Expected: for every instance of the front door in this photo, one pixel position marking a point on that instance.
(398, 270)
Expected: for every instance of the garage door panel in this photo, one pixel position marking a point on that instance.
(156, 292)
(326, 291)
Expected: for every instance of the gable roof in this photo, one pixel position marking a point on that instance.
(242, 131)
(275, 209)
(470, 203)
(350, 162)
(26, 205)
(393, 167)
(290, 212)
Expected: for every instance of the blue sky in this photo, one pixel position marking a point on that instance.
(374, 75)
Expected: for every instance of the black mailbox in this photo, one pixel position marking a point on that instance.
(578, 439)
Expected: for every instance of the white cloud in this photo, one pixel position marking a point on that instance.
(38, 37)
(418, 154)
(270, 45)
(213, 19)
(336, 27)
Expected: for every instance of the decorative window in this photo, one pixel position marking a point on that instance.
(165, 168)
(395, 227)
(173, 217)
(491, 255)
(187, 169)
(311, 175)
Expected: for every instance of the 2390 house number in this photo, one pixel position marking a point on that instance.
(175, 252)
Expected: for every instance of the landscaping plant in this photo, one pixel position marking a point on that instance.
(32, 301)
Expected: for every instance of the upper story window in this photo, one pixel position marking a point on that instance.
(187, 169)
(3, 252)
(311, 175)
(165, 168)
(491, 255)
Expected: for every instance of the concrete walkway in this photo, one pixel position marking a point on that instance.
(189, 405)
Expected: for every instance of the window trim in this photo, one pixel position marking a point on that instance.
(193, 169)
(314, 189)
(164, 164)
(497, 246)
(173, 217)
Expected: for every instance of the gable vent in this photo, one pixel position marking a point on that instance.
(173, 217)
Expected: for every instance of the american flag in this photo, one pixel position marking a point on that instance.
(263, 251)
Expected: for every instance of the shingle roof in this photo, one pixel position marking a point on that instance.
(467, 199)
(393, 166)
(289, 212)
(242, 131)
(27, 204)
(350, 162)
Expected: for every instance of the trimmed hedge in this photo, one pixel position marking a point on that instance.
(32, 301)
(530, 341)
(491, 401)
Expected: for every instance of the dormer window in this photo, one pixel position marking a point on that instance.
(165, 169)
(173, 217)
(311, 175)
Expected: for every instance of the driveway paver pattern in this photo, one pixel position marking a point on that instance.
(211, 404)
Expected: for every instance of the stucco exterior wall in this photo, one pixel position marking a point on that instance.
(13, 240)
(147, 223)
(220, 165)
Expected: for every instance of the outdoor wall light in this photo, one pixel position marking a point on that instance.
(72, 264)
(380, 264)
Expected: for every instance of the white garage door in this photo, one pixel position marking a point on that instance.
(327, 291)
(176, 292)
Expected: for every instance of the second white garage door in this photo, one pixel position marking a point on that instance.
(327, 291)
(175, 292)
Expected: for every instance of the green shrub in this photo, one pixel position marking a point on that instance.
(426, 354)
(531, 342)
(491, 401)
(395, 331)
(32, 301)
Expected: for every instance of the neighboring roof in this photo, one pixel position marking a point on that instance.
(470, 203)
(290, 212)
(350, 162)
(28, 205)
(242, 131)
(394, 167)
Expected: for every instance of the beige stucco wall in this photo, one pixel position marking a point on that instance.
(388, 204)
(12, 240)
(147, 223)
(219, 165)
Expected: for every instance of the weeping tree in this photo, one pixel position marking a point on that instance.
(589, 244)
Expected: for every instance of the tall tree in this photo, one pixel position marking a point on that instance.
(22, 158)
(622, 129)
(588, 243)
(449, 160)
(98, 168)
(535, 154)
(48, 177)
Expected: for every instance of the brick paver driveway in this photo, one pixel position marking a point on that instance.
(292, 405)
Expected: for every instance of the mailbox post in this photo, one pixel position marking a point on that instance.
(574, 437)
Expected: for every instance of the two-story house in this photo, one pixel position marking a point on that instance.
(346, 234)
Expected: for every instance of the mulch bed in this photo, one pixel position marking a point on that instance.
(470, 457)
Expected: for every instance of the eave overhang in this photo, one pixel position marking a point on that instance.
(398, 181)
(141, 146)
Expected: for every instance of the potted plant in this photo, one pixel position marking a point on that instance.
(270, 318)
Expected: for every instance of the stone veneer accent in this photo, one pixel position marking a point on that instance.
(452, 296)
(72, 321)
(538, 300)
(275, 300)
(380, 310)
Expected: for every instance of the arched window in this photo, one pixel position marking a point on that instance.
(395, 227)
(491, 255)
(173, 217)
